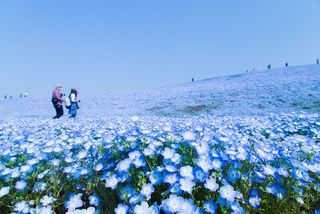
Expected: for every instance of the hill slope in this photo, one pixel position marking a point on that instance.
(276, 90)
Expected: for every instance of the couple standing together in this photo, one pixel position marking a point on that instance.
(71, 102)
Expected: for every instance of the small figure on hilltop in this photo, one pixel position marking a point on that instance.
(192, 79)
(318, 61)
(57, 99)
(24, 95)
(286, 64)
(269, 67)
(74, 106)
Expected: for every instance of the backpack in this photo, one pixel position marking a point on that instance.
(68, 102)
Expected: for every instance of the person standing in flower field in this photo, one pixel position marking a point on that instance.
(57, 99)
(74, 103)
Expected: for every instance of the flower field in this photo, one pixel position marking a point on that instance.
(203, 164)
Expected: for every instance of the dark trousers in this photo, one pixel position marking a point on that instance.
(59, 111)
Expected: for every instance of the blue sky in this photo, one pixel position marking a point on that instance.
(103, 45)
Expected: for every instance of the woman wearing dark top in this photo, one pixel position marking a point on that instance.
(57, 101)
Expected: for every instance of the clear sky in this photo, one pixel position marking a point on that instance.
(100, 45)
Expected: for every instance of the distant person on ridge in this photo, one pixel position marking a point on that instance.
(286, 64)
(74, 103)
(317, 61)
(57, 101)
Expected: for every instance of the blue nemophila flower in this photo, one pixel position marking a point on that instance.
(155, 144)
(272, 189)
(263, 155)
(15, 173)
(298, 191)
(42, 210)
(147, 190)
(211, 184)
(170, 178)
(186, 185)
(269, 170)
(155, 177)
(134, 154)
(126, 192)
(175, 189)
(188, 207)
(68, 169)
(123, 177)
(254, 198)
(302, 174)
(281, 193)
(236, 164)
(176, 158)
(210, 207)
(275, 190)
(98, 167)
(233, 175)
(168, 153)
(171, 168)
(55, 162)
(39, 186)
(227, 192)
(41, 175)
(83, 171)
(47, 200)
(259, 174)
(4, 191)
(20, 185)
(68, 159)
(189, 136)
(74, 201)
(242, 153)
(148, 152)
(173, 203)
(236, 208)
(112, 181)
(139, 162)
(202, 148)
(135, 118)
(22, 207)
(94, 200)
(222, 202)
(144, 208)
(186, 171)
(283, 172)
(199, 175)
(124, 165)
(6, 171)
(205, 163)
(313, 167)
(217, 164)
(135, 199)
